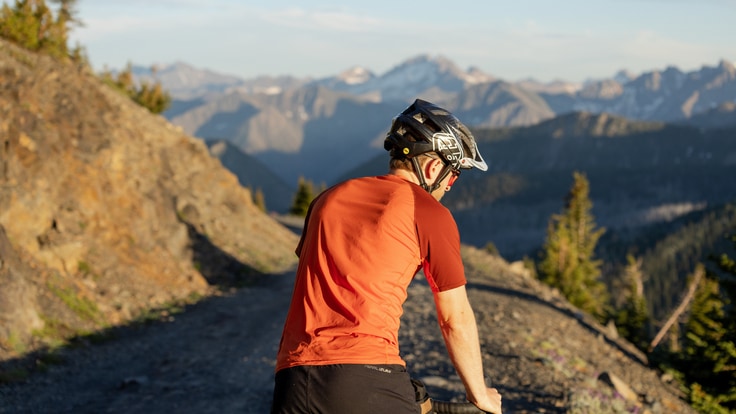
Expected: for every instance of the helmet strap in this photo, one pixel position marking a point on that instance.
(437, 182)
(418, 171)
(423, 182)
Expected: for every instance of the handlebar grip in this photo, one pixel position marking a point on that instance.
(445, 407)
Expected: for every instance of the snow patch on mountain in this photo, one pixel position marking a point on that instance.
(356, 75)
(407, 80)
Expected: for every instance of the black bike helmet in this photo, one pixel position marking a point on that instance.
(425, 127)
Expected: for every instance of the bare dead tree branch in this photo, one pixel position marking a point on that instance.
(699, 273)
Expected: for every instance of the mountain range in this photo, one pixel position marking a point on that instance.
(299, 125)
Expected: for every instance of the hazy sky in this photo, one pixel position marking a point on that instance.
(513, 39)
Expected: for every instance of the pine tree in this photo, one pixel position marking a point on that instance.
(68, 12)
(568, 262)
(708, 356)
(32, 25)
(727, 267)
(150, 96)
(492, 249)
(259, 200)
(303, 197)
(27, 23)
(65, 18)
(725, 366)
(632, 316)
(123, 82)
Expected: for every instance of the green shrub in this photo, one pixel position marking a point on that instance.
(150, 96)
(31, 24)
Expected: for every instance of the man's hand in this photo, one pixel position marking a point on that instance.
(491, 404)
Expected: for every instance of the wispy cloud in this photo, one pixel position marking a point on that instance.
(323, 20)
(105, 17)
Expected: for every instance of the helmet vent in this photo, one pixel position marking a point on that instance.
(424, 127)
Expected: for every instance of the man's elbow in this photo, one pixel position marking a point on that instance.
(455, 322)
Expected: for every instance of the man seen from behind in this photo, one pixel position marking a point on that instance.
(363, 242)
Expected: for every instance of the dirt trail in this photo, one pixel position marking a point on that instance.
(216, 357)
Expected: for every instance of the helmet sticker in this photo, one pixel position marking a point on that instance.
(448, 146)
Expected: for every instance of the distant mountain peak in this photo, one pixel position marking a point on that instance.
(356, 75)
(179, 64)
(553, 87)
(476, 75)
(422, 58)
(727, 67)
(623, 76)
(442, 64)
(432, 77)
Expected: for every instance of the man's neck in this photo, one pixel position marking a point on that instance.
(412, 178)
(406, 175)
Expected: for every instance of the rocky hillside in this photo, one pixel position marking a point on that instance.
(107, 210)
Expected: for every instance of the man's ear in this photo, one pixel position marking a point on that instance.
(432, 169)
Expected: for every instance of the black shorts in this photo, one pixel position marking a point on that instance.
(344, 389)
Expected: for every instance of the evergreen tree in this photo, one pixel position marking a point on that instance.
(492, 249)
(725, 357)
(68, 12)
(122, 82)
(66, 17)
(150, 96)
(727, 267)
(568, 262)
(632, 316)
(259, 200)
(303, 197)
(27, 23)
(708, 357)
(530, 266)
(32, 25)
(706, 354)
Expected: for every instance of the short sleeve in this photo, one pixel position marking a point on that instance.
(439, 242)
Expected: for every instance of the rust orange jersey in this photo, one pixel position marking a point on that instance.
(362, 243)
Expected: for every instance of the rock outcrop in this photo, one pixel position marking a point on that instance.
(109, 209)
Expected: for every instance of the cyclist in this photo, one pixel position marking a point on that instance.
(363, 242)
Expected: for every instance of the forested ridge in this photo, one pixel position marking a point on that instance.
(670, 252)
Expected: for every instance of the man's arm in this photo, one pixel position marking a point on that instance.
(458, 326)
